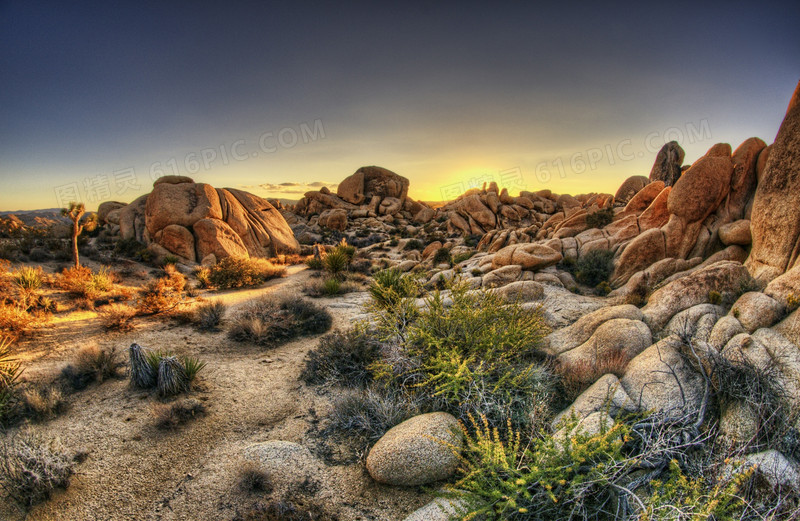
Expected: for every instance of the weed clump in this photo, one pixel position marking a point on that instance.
(594, 267)
(271, 323)
(171, 416)
(342, 359)
(239, 272)
(163, 293)
(117, 317)
(600, 218)
(32, 468)
(209, 315)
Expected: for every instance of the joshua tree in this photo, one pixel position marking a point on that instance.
(75, 212)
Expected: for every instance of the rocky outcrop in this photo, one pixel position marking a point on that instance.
(667, 167)
(775, 221)
(194, 220)
(630, 187)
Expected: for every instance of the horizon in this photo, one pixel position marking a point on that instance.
(100, 101)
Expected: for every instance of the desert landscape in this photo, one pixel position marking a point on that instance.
(203, 353)
(528, 262)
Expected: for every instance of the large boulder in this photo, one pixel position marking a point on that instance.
(644, 197)
(106, 208)
(726, 277)
(352, 188)
(755, 310)
(775, 221)
(334, 219)
(132, 221)
(667, 167)
(660, 379)
(606, 393)
(630, 187)
(472, 206)
(620, 334)
(657, 214)
(737, 232)
(531, 256)
(260, 225)
(183, 204)
(177, 240)
(582, 329)
(419, 451)
(215, 236)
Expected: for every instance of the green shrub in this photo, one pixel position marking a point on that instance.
(342, 359)
(474, 353)
(29, 279)
(594, 267)
(129, 247)
(191, 366)
(414, 244)
(600, 218)
(315, 263)
(336, 262)
(170, 259)
(461, 257)
(715, 297)
(238, 272)
(32, 468)
(442, 256)
(270, 323)
(389, 286)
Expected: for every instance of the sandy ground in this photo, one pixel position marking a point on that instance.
(138, 472)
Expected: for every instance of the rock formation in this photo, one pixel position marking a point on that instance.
(199, 223)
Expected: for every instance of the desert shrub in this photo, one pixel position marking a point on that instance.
(579, 476)
(414, 244)
(759, 388)
(442, 256)
(192, 365)
(368, 414)
(31, 468)
(170, 259)
(29, 279)
(476, 272)
(92, 364)
(163, 293)
(43, 402)
(336, 262)
(576, 377)
(238, 272)
(600, 218)
(389, 286)
(80, 282)
(128, 247)
(603, 289)
(715, 297)
(252, 479)
(461, 257)
(394, 242)
(270, 323)
(342, 359)
(142, 373)
(10, 370)
(475, 353)
(594, 267)
(209, 315)
(171, 416)
(117, 317)
(283, 510)
(15, 320)
(315, 263)
(472, 240)
(329, 287)
(346, 249)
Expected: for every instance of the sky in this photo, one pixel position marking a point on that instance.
(99, 100)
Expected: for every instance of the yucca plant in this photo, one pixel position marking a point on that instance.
(191, 366)
(172, 377)
(143, 375)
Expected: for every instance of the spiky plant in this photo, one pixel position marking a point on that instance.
(172, 378)
(142, 374)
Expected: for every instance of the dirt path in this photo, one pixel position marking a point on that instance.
(138, 472)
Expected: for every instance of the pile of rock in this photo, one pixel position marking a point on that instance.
(199, 223)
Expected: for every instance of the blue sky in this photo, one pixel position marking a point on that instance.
(97, 100)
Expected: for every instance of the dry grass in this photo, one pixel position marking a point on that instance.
(162, 294)
(43, 402)
(171, 416)
(239, 272)
(31, 468)
(117, 317)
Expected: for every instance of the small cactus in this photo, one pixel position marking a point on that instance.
(142, 374)
(172, 378)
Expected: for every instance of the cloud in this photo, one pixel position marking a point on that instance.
(288, 189)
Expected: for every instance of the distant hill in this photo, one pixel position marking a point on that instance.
(44, 217)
